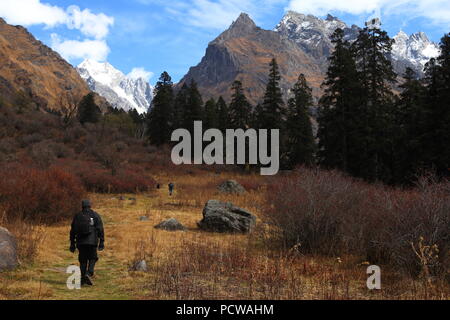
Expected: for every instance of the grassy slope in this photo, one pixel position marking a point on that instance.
(191, 264)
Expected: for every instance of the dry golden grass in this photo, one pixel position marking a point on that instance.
(195, 264)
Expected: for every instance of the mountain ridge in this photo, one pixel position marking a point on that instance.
(42, 76)
(301, 43)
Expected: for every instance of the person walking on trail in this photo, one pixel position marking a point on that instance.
(87, 235)
(171, 187)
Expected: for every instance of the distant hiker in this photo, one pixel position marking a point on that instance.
(171, 187)
(87, 235)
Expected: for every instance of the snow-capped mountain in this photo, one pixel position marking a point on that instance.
(417, 49)
(313, 34)
(118, 89)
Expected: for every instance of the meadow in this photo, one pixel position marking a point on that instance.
(266, 264)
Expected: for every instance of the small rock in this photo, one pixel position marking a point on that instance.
(223, 217)
(140, 266)
(8, 250)
(231, 186)
(171, 225)
(144, 218)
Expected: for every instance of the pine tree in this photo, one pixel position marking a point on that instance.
(194, 107)
(436, 141)
(239, 109)
(161, 115)
(409, 128)
(272, 109)
(338, 108)
(88, 111)
(375, 157)
(223, 115)
(211, 115)
(180, 106)
(300, 143)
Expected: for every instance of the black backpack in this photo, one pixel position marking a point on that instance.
(83, 225)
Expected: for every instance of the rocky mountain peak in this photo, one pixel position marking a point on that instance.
(414, 50)
(420, 36)
(331, 18)
(312, 33)
(243, 20)
(241, 27)
(118, 89)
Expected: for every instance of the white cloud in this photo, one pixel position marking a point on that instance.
(140, 73)
(219, 15)
(33, 12)
(96, 50)
(30, 12)
(438, 11)
(92, 25)
(214, 14)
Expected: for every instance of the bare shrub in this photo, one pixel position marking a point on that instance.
(8, 145)
(28, 237)
(328, 213)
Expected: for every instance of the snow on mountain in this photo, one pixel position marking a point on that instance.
(118, 89)
(313, 34)
(417, 49)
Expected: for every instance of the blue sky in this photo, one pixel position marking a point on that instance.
(151, 36)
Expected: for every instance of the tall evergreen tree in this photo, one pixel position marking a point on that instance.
(194, 107)
(409, 128)
(436, 141)
(376, 130)
(180, 106)
(300, 143)
(211, 115)
(338, 108)
(239, 108)
(223, 114)
(88, 111)
(257, 117)
(161, 115)
(272, 109)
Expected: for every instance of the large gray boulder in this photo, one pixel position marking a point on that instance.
(231, 186)
(8, 250)
(171, 225)
(224, 217)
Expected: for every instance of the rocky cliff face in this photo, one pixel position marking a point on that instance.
(413, 51)
(243, 52)
(30, 67)
(300, 43)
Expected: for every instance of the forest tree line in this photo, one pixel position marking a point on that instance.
(372, 124)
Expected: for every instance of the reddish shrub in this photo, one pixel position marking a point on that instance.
(98, 179)
(329, 213)
(45, 196)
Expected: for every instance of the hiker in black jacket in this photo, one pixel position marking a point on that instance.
(171, 187)
(87, 235)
